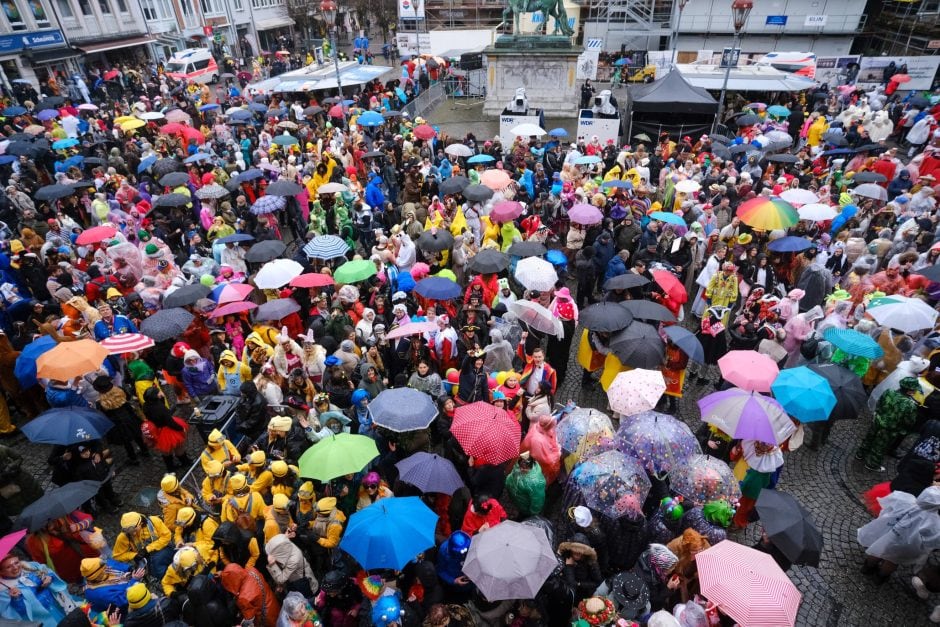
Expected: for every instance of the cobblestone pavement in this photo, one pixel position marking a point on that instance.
(827, 482)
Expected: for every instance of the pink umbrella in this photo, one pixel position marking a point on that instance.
(411, 328)
(748, 370)
(747, 585)
(9, 541)
(636, 391)
(232, 308)
(234, 292)
(585, 214)
(95, 234)
(506, 210)
(336, 111)
(127, 343)
(495, 179)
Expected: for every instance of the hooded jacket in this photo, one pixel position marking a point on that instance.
(289, 563)
(253, 595)
(199, 379)
(239, 370)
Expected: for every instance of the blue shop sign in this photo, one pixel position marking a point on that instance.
(30, 41)
(776, 20)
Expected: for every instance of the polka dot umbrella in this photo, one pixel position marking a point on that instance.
(659, 441)
(704, 478)
(636, 391)
(613, 484)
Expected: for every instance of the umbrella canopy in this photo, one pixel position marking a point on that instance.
(817, 212)
(506, 211)
(748, 370)
(429, 473)
(625, 281)
(612, 483)
(231, 293)
(211, 192)
(25, 368)
(536, 317)
(370, 118)
(636, 391)
(871, 190)
(639, 346)
(326, 247)
(495, 179)
(402, 409)
(268, 204)
(618, 184)
(232, 308)
(166, 324)
(277, 309)
(585, 214)
(57, 503)
(435, 240)
(354, 271)
(265, 251)
(438, 288)
(853, 342)
(277, 273)
(459, 150)
(489, 261)
(172, 200)
(790, 527)
(672, 286)
(647, 310)
(174, 179)
(477, 193)
(687, 342)
(487, 433)
(768, 214)
(668, 218)
(127, 343)
(453, 185)
(659, 441)
(747, 585)
(931, 272)
(587, 160)
(782, 158)
(236, 238)
(481, 158)
(799, 196)
(332, 188)
(528, 130)
(71, 359)
(10, 540)
(848, 389)
(790, 244)
(424, 131)
(283, 187)
(585, 432)
(312, 279)
(411, 328)
(804, 394)
(52, 192)
(703, 478)
(778, 111)
(67, 425)
(536, 274)
(688, 186)
(904, 313)
(747, 416)
(95, 234)
(510, 561)
(390, 532)
(869, 177)
(526, 249)
(337, 455)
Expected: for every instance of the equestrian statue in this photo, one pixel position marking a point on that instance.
(553, 8)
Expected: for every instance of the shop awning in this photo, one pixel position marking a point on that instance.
(744, 78)
(115, 44)
(274, 22)
(52, 56)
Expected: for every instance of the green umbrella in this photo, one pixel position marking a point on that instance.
(337, 455)
(354, 271)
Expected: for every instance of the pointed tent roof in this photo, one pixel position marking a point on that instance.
(672, 94)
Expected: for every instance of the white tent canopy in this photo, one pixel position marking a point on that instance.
(745, 78)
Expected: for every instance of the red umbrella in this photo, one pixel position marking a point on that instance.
(506, 210)
(233, 292)
(232, 308)
(127, 343)
(172, 127)
(311, 279)
(671, 285)
(487, 433)
(901, 78)
(190, 133)
(336, 111)
(110, 75)
(424, 131)
(95, 234)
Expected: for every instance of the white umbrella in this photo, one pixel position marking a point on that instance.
(459, 150)
(870, 190)
(277, 273)
(904, 314)
(528, 130)
(537, 317)
(331, 188)
(688, 186)
(799, 196)
(151, 115)
(636, 391)
(536, 274)
(510, 561)
(817, 212)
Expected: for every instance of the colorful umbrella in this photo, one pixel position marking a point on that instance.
(635, 391)
(605, 317)
(671, 286)
(747, 585)
(790, 527)
(337, 455)
(659, 441)
(389, 533)
(613, 484)
(486, 433)
(481, 158)
(424, 131)
(495, 179)
(268, 204)
(402, 410)
(231, 293)
(411, 328)
(768, 214)
(905, 314)
(278, 273)
(95, 234)
(71, 359)
(506, 211)
(585, 432)
(326, 247)
(703, 478)
(536, 274)
(166, 324)
(804, 394)
(429, 473)
(10, 540)
(354, 271)
(312, 279)
(747, 416)
(748, 370)
(127, 343)
(668, 218)
(778, 111)
(67, 425)
(585, 214)
(853, 342)
(510, 561)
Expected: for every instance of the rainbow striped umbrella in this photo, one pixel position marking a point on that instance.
(768, 214)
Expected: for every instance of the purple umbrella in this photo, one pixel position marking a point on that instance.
(429, 473)
(268, 204)
(585, 214)
(659, 441)
(506, 211)
(47, 114)
(747, 416)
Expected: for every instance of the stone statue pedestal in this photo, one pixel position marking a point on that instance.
(546, 65)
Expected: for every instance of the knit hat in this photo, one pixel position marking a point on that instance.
(152, 251)
(137, 596)
(581, 516)
(281, 424)
(102, 384)
(190, 355)
(93, 568)
(909, 384)
(662, 560)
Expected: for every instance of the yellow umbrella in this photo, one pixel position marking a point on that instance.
(71, 359)
(34, 129)
(124, 118)
(132, 124)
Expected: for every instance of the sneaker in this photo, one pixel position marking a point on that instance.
(935, 615)
(919, 587)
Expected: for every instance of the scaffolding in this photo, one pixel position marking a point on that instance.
(628, 24)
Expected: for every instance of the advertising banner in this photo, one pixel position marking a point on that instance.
(921, 70)
(836, 70)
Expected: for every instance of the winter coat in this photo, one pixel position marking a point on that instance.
(200, 380)
(289, 562)
(615, 267)
(603, 252)
(157, 613)
(253, 595)
(584, 575)
(64, 397)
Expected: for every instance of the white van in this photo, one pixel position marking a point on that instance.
(799, 63)
(193, 64)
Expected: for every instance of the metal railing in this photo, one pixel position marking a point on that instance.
(426, 101)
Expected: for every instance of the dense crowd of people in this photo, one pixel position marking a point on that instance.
(394, 313)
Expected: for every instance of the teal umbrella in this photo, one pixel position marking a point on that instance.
(804, 394)
(853, 342)
(389, 533)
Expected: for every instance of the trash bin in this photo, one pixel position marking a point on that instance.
(215, 412)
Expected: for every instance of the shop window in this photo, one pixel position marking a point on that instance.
(13, 15)
(85, 6)
(122, 6)
(65, 8)
(105, 7)
(39, 13)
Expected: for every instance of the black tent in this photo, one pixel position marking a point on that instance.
(670, 104)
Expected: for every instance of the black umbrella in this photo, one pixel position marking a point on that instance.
(165, 166)
(372, 154)
(919, 102)
(331, 100)
(276, 309)
(721, 139)
(527, 249)
(870, 148)
(80, 185)
(232, 184)
(639, 346)
(489, 261)
(648, 310)
(848, 388)
(166, 324)
(54, 192)
(21, 149)
(20, 137)
(625, 281)
(869, 177)
(56, 503)
(94, 161)
(931, 272)
(314, 110)
(835, 139)
(453, 185)
(748, 119)
(720, 151)
(172, 200)
(186, 295)
(475, 193)
(391, 114)
(283, 187)
(789, 527)
(739, 148)
(435, 241)
(265, 251)
(50, 102)
(605, 317)
(782, 158)
(173, 179)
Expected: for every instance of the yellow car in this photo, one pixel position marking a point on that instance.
(644, 75)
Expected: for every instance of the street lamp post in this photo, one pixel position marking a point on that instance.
(740, 9)
(328, 10)
(675, 33)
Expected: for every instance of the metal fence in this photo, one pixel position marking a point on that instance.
(426, 101)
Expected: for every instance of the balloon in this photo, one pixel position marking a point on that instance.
(452, 375)
(491, 380)
(501, 377)
(207, 279)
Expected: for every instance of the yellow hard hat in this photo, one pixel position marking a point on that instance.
(237, 482)
(185, 516)
(130, 520)
(279, 468)
(257, 458)
(137, 596)
(92, 568)
(326, 505)
(216, 437)
(280, 501)
(169, 483)
(305, 492)
(185, 558)
(214, 468)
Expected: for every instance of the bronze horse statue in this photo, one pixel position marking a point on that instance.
(553, 8)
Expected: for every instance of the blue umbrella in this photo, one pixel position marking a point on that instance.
(7, 159)
(209, 107)
(199, 156)
(558, 132)
(402, 409)
(243, 114)
(258, 107)
(429, 473)
(25, 368)
(74, 160)
(778, 111)
(437, 288)
(235, 238)
(249, 175)
(12, 111)
(67, 425)
(326, 247)
(837, 152)
(587, 160)
(806, 395)
(618, 184)
(853, 342)
(370, 118)
(389, 533)
(146, 162)
(790, 244)
(687, 342)
(481, 159)
(668, 218)
(348, 102)
(61, 144)
(268, 204)
(47, 114)
(623, 61)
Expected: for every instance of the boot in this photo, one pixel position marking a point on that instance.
(170, 463)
